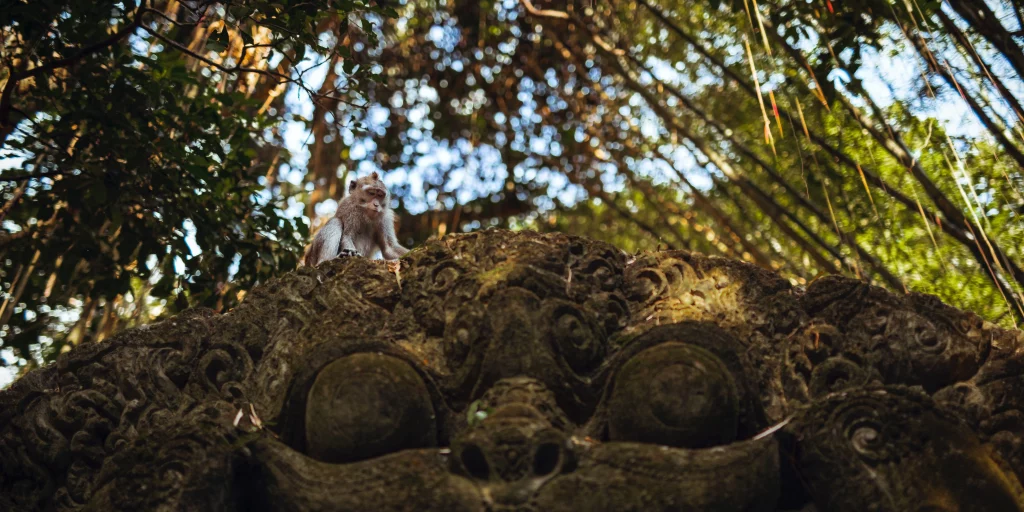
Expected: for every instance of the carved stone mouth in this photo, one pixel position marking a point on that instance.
(501, 371)
(626, 475)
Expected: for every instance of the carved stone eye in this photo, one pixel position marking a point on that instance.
(367, 405)
(674, 394)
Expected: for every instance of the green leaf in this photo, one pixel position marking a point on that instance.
(218, 41)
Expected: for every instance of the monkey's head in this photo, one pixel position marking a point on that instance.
(370, 193)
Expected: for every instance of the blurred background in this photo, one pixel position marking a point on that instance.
(158, 155)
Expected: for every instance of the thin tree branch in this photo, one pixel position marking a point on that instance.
(948, 225)
(18, 192)
(226, 69)
(947, 74)
(544, 13)
(954, 218)
(776, 176)
(965, 43)
(982, 19)
(36, 176)
(759, 196)
(282, 79)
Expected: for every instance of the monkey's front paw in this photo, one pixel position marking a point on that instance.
(346, 253)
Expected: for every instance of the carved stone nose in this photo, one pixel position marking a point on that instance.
(511, 454)
(511, 463)
(509, 475)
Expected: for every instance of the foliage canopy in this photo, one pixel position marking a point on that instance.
(155, 168)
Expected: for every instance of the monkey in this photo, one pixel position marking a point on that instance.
(363, 223)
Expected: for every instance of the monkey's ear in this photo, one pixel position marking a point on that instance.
(351, 185)
(375, 176)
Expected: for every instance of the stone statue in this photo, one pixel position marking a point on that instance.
(502, 371)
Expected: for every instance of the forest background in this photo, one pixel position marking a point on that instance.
(162, 154)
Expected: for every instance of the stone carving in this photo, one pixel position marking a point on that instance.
(510, 371)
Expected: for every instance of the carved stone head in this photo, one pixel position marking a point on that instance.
(501, 371)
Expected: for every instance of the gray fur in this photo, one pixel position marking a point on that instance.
(363, 224)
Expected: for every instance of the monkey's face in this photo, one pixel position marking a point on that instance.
(373, 199)
(371, 193)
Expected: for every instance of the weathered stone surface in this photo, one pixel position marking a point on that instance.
(516, 371)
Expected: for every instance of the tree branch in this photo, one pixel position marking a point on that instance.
(282, 78)
(984, 20)
(209, 62)
(544, 13)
